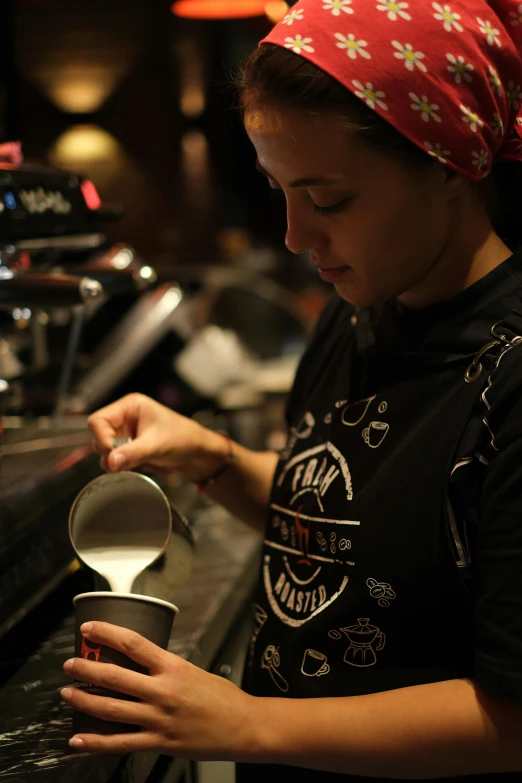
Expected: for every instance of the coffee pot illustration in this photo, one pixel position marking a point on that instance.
(362, 637)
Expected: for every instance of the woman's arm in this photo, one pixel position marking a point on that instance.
(425, 731)
(163, 440)
(245, 485)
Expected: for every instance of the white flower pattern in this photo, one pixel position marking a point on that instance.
(514, 94)
(426, 108)
(370, 95)
(481, 160)
(336, 6)
(491, 32)
(472, 117)
(495, 82)
(411, 58)
(437, 151)
(516, 15)
(460, 68)
(395, 10)
(497, 126)
(353, 46)
(293, 16)
(299, 44)
(446, 15)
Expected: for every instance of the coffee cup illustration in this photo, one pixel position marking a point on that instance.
(314, 664)
(355, 412)
(375, 433)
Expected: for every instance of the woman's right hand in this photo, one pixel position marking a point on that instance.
(162, 440)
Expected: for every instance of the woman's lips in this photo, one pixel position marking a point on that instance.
(334, 274)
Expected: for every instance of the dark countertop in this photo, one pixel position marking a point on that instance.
(35, 724)
(41, 471)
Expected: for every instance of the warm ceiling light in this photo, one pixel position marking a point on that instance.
(79, 87)
(79, 97)
(82, 144)
(276, 9)
(218, 9)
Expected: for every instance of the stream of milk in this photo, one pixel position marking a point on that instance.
(120, 565)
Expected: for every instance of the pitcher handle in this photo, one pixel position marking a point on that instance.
(382, 640)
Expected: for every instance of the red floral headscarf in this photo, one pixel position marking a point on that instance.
(448, 76)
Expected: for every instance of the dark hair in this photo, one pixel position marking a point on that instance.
(273, 75)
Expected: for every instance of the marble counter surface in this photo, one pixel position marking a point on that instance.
(35, 724)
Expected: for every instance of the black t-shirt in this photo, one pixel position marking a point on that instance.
(393, 550)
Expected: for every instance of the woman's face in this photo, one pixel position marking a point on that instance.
(373, 227)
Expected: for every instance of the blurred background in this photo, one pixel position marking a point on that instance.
(140, 251)
(138, 98)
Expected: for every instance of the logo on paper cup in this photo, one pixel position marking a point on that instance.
(86, 651)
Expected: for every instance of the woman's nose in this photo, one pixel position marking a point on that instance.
(301, 234)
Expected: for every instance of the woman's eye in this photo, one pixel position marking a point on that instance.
(333, 208)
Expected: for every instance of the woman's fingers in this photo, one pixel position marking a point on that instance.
(133, 453)
(109, 708)
(98, 449)
(150, 468)
(116, 743)
(109, 422)
(116, 678)
(104, 429)
(128, 642)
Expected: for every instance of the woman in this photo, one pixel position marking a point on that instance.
(388, 627)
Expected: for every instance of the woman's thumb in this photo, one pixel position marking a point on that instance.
(129, 455)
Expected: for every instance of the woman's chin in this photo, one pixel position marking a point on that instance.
(359, 297)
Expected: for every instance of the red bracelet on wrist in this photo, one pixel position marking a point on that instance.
(202, 485)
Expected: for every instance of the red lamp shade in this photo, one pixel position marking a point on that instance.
(218, 9)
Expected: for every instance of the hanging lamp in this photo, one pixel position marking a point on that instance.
(228, 9)
(218, 9)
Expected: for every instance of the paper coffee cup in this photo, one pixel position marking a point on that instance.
(150, 617)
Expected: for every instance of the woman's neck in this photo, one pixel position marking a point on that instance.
(473, 250)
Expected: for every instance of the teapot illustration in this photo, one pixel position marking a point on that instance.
(362, 637)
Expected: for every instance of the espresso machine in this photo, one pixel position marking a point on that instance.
(56, 271)
(83, 321)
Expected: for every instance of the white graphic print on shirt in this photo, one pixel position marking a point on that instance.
(314, 664)
(260, 618)
(293, 564)
(381, 591)
(374, 435)
(303, 431)
(271, 661)
(355, 412)
(364, 639)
